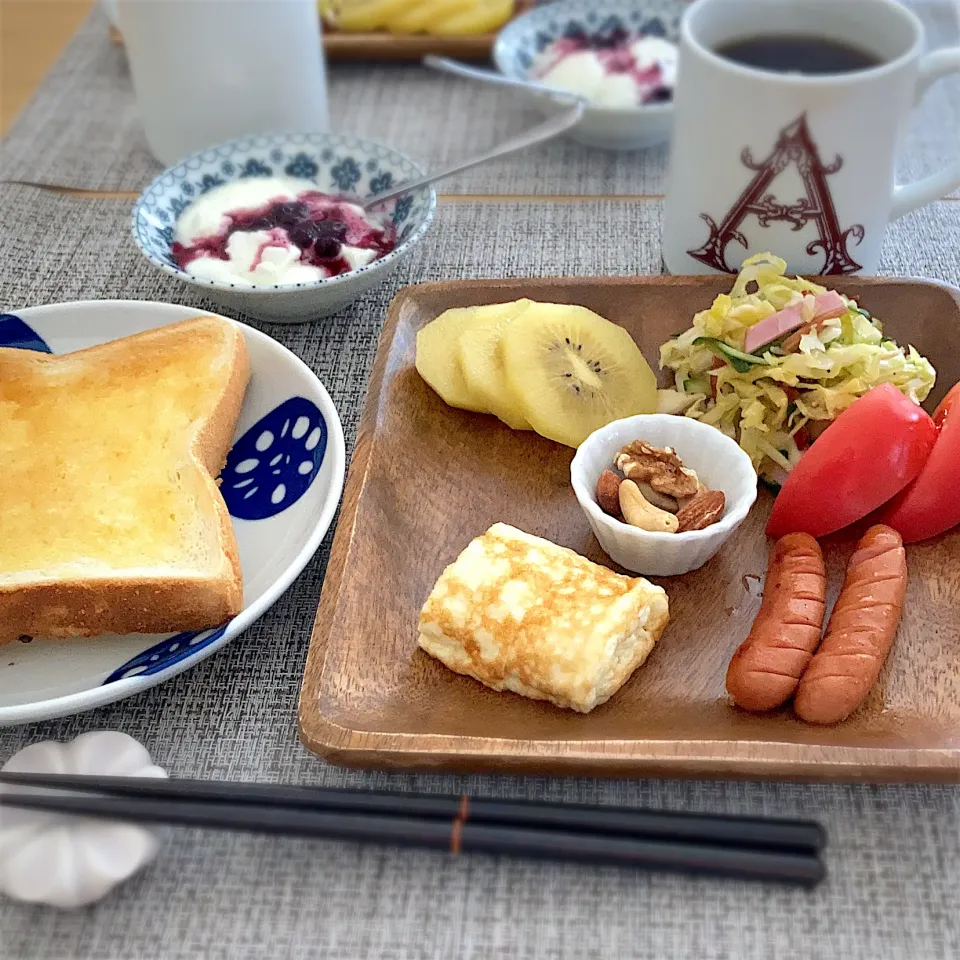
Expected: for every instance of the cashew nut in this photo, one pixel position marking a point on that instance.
(639, 512)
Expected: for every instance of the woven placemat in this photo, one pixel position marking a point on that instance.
(894, 868)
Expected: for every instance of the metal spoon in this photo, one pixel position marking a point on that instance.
(445, 65)
(545, 131)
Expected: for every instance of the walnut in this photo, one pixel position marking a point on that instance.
(659, 473)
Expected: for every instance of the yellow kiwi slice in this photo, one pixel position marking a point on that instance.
(482, 365)
(573, 372)
(438, 358)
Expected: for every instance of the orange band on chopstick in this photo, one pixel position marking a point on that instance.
(455, 830)
(456, 827)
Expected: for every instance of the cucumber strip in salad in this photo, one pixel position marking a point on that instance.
(740, 361)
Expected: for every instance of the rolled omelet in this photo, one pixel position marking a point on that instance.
(519, 613)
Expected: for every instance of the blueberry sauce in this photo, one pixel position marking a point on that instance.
(318, 224)
(613, 51)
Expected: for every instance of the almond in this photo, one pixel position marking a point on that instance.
(704, 510)
(608, 493)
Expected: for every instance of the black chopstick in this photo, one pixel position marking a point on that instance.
(750, 832)
(455, 835)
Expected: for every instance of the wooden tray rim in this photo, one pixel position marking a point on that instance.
(717, 759)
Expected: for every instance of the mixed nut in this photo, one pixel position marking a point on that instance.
(654, 491)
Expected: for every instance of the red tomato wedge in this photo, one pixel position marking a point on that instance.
(866, 456)
(931, 504)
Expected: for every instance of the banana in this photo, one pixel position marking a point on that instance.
(363, 16)
(422, 13)
(438, 17)
(329, 9)
(482, 17)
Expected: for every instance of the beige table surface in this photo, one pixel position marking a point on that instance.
(32, 35)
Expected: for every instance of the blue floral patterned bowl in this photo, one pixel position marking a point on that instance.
(610, 128)
(337, 163)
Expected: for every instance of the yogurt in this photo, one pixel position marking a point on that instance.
(611, 71)
(264, 231)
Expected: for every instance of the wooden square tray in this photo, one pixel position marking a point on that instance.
(426, 479)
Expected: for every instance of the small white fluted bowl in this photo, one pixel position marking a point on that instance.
(718, 461)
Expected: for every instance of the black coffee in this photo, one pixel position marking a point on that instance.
(798, 54)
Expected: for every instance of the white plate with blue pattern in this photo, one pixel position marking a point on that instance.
(282, 484)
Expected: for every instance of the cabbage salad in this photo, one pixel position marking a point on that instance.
(773, 362)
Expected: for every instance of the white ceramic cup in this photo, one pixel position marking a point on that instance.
(800, 165)
(206, 71)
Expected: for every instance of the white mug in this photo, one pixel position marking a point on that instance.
(205, 71)
(800, 165)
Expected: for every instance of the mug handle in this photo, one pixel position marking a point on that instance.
(912, 195)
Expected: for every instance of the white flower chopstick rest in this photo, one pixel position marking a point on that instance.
(73, 861)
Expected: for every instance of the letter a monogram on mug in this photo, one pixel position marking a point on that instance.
(789, 114)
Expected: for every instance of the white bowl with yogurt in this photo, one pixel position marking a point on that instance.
(266, 225)
(620, 56)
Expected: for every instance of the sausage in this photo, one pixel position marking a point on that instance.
(767, 666)
(860, 632)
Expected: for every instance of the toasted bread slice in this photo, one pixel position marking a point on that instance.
(111, 520)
